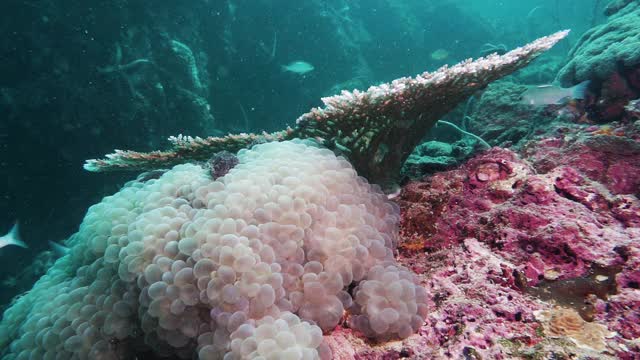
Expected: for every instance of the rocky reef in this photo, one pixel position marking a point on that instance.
(528, 254)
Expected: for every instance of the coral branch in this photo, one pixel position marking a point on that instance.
(377, 129)
(184, 149)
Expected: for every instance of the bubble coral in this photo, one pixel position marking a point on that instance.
(255, 263)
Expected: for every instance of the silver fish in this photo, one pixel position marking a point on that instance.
(298, 67)
(12, 238)
(553, 94)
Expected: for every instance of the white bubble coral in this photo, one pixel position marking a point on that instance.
(256, 263)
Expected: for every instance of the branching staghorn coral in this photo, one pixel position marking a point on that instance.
(376, 129)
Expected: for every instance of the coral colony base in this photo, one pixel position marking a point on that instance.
(259, 261)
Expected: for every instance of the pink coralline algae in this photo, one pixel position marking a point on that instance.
(557, 221)
(508, 237)
(605, 157)
(621, 311)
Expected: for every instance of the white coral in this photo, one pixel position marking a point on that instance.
(255, 263)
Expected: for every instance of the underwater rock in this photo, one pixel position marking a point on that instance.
(620, 312)
(568, 322)
(518, 235)
(555, 220)
(476, 308)
(609, 156)
(480, 309)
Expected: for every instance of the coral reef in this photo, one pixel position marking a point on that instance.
(257, 245)
(501, 118)
(608, 56)
(543, 70)
(525, 256)
(615, 6)
(605, 47)
(614, 93)
(376, 129)
(21, 281)
(258, 262)
(432, 156)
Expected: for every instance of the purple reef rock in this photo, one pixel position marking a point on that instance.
(525, 255)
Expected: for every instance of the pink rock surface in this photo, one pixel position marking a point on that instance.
(505, 236)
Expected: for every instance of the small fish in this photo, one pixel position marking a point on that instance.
(440, 54)
(553, 94)
(394, 192)
(12, 238)
(298, 67)
(58, 249)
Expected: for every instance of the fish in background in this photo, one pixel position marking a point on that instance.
(552, 94)
(440, 55)
(12, 238)
(298, 67)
